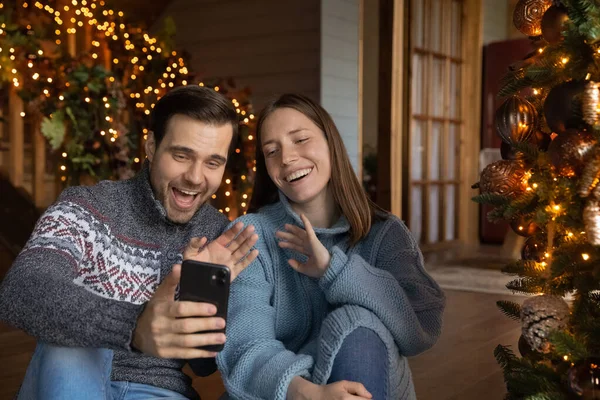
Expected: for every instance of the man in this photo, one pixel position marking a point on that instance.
(89, 282)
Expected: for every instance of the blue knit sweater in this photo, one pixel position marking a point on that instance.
(283, 324)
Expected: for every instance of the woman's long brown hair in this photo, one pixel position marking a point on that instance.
(347, 191)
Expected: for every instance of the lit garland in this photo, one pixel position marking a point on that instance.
(111, 86)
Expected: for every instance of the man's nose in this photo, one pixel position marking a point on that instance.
(195, 174)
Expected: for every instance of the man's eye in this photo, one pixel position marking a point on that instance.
(179, 157)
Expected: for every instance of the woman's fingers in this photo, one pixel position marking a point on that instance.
(293, 246)
(290, 237)
(307, 226)
(295, 230)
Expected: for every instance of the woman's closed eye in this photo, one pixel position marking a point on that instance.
(270, 152)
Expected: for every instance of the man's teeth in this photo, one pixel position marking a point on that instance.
(298, 174)
(187, 192)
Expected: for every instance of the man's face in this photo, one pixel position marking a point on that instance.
(187, 167)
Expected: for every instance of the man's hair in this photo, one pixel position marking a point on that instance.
(347, 191)
(200, 103)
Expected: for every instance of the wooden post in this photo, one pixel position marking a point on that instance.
(39, 164)
(16, 136)
(468, 223)
(2, 124)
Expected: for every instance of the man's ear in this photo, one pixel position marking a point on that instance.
(150, 146)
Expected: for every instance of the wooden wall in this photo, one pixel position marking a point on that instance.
(278, 46)
(271, 46)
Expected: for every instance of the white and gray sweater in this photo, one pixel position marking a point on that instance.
(94, 259)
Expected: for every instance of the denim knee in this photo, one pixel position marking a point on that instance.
(363, 357)
(66, 372)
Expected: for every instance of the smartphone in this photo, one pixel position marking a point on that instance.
(206, 283)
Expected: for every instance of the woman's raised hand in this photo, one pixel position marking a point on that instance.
(305, 241)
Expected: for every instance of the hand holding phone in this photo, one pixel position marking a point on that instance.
(206, 283)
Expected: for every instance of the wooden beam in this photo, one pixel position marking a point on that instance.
(39, 165)
(16, 135)
(399, 102)
(468, 231)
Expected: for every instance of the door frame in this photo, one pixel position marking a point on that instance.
(395, 69)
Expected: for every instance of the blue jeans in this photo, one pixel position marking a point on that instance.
(81, 373)
(363, 358)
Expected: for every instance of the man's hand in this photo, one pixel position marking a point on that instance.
(231, 249)
(170, 329)
(301, 389)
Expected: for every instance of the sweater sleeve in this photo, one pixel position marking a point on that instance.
(396, 289)
(254, 364)
(40, 296)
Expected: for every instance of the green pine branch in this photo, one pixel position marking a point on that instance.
(505, 357)
(524, 268)
(566, 344)
(510, 309)
(491, 199)
(527, 285)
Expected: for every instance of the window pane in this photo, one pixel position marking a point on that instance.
(436, 88)
(435, 155)
(417, 84)
(450, 212)
(417, 148)
(416, 214)
(455, 90)
(418, 23)
(434, 213)
(451, 152)
(456, 29)
(435, 25)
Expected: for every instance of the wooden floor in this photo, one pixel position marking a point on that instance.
(460, 366)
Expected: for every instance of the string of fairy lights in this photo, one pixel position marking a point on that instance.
(122, 50)
(556, 210)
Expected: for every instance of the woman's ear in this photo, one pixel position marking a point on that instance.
(150, 146)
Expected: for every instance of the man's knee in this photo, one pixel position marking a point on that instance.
(74, 359)
(61, 372)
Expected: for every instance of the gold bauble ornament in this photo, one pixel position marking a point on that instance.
(505, 178)
(569, 150)
(591, 219)
(516, 120)
(528, 15)
(590, 103)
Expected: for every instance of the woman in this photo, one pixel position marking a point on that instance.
(338, 295)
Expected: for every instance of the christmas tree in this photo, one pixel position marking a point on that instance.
(90, 78)
(547, 187)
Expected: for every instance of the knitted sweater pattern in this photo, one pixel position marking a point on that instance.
(283, 324)
(94, 259)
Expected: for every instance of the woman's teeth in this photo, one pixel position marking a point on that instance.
(298, 174)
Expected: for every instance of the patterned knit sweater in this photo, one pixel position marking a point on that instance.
(95, 257)
(283, 324)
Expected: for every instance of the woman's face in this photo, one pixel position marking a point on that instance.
(296, 155)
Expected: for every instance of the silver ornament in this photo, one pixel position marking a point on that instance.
(541, 315)
(591, 219)
(591, 101)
